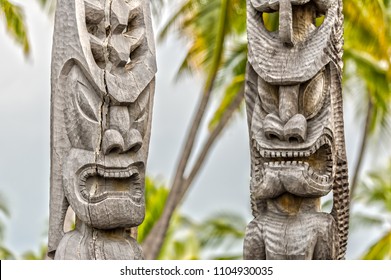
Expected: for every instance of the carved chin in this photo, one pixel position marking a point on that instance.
(305, 173)
(114, 212)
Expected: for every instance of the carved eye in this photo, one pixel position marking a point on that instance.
(87, 102)
(269, 96)
(313, 96)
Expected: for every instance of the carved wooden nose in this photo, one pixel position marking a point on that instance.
(119, 136)
(295, 130)
(285, 22)
(288, 97)
(114, 142)
(133, 141)
(288, 125)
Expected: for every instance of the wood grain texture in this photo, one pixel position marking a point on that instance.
(294, 110)
(103, 78)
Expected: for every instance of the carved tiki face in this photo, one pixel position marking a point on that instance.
(104, 171)
(293, 82)
(103, 83)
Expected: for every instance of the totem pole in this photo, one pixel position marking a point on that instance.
(295, 119)
(103, 78)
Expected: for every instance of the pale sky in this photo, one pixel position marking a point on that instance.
(222, 185)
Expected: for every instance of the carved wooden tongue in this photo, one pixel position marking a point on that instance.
(96, 185)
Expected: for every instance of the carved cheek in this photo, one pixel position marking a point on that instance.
(139, 112)
(268, 95)
(140, 121)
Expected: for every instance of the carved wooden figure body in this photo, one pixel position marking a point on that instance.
(103, 69)
(294, 110)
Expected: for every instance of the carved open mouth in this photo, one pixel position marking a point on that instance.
(316, 161)
(98, 183)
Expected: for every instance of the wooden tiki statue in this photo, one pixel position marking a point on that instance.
(295, 119)
(103, 77)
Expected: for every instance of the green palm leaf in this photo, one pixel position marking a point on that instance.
(13, 17)
(375, 191)
(6, 254)
(3, 210)
(155, 199)
(381, 249)
(367, 46)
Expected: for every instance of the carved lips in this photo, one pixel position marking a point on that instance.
(98, 183)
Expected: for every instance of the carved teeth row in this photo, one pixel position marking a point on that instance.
(274, 154)
(115, 173)
(106, 173)
(286, 163)
(322, 179)
(98, 198)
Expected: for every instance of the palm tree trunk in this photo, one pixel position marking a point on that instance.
(154, 241)
(362, 151)
(151, 246)
(210, 141)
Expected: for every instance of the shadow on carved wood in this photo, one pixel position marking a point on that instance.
(103, 69)
(295, 119)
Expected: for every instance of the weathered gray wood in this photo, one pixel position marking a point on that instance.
(103, 69)
(294, 110)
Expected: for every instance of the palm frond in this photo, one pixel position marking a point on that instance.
(229, 95)
(364, 220)
(376, 189)
(155, 199)
(3, 206)
(48, 5)
(221, 228)
(6, 254)
(40, 255)
(367, 27)
(208, 26)
(381, 250)
(13, 17)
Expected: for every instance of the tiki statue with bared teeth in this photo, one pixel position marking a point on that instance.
(103, 78)
(294, 110)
